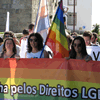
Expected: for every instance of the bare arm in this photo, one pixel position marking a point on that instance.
(16, 41)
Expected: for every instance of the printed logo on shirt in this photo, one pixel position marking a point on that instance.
(34, 57)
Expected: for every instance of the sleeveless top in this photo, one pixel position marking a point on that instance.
(2, 55)
(35, 55)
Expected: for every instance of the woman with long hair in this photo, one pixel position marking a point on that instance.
(78, 49)
(9, 49)
(35, 47)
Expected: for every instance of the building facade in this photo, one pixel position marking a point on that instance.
(22, 13)
(86, 14)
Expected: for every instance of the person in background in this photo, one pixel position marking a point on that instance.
(24, 42)
(65, 10)
(94, 39)
(16, 40)
(35, 47)
(11, 34)
(1, 41)
(87, 38)
(78, 50)
(31, 28)
(69, 39)
(7, 35)
(24, 35)
(9, 49)
(65, 26)
(73, 35)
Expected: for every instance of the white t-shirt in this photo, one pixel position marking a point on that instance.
(94, 52)
(34, 55)
(23, 50)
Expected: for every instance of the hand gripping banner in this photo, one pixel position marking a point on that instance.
(49, 79)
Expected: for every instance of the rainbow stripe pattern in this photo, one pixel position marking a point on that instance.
(72, 74)
(56, 38)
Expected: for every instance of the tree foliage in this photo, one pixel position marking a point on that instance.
(96, 29)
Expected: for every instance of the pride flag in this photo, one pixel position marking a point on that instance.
(42, 20)
(66, 78)
(56, 38)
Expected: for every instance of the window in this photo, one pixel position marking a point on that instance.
(71, 2)
(70, 18)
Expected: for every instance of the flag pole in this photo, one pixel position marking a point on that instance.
(36, 22)
(44, 42)
(74, 18)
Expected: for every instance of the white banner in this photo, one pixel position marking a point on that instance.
(7, 22)
(94, 52)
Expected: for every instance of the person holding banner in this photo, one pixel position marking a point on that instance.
(9, 49)
(78, 50)
(35, 47)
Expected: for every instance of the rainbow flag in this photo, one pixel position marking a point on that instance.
(42, 20)
(50, 79)
(56, 38)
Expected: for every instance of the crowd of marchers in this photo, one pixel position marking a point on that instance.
(31, 45)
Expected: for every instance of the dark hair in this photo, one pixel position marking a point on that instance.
(74, 33)
(14, 48)
(83, 48)
(39, 42)
(10, 33)
(87, 34)
(1, 40)
(69, 38)
(31, 26)
(94, 34)
(25, 31)
(64, 19)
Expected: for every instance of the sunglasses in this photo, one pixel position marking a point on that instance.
(78, 45)
(74, 36)
(33, 40)
(7, 36)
